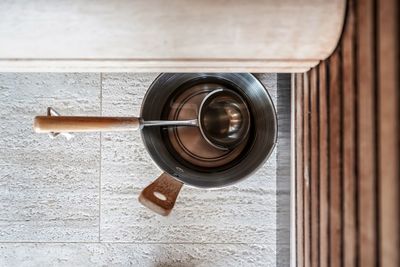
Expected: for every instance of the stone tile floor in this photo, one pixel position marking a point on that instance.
(74, 202)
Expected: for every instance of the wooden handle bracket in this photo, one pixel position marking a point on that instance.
(52, 112)
(160, 195)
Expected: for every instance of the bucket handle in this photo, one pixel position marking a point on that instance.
(160, 195)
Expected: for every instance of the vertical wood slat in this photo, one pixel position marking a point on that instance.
(323, 167)
(359, 144)
(306, 172)
(299, 171)
(366, 134)
(349, 141)
(335, 160)
(389, 131)
(314, 167)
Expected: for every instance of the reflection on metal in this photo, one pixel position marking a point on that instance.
(52, 112)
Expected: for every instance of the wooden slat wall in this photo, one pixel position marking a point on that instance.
(347, 144)
(314, 194)
(323, 162)
(389, 131)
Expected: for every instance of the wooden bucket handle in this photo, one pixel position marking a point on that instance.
(160, 195)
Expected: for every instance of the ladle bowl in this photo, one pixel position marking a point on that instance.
(224, 119)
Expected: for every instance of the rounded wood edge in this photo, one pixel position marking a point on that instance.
(160, 195)
(59, 124)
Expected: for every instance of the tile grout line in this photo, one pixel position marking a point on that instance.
(100, 153)
(136, 243)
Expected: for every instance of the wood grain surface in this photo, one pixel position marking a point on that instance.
(349, 141)
(323, 159)
(179, 36)
(335, 161)
(388, 132)
(366, 138)
(160, 195)
(359, 146)
(299, 170)
(59, 124)
(314, 173)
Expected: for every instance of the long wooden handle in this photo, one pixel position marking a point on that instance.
(59, 124)
(160, 195)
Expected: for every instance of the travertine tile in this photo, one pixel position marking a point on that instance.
(49, 189)
(245, 212)
(120, 254)
(283, 170)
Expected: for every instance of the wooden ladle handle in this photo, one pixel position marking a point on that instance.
(59, 124)
(160, 195)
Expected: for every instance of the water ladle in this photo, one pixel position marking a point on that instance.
(223, 119)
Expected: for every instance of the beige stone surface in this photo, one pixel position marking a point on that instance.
(123, 254)
(168, 36)
(74, 202)
(232, 214)
(49, 189)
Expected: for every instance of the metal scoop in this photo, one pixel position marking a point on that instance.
(224, 121)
